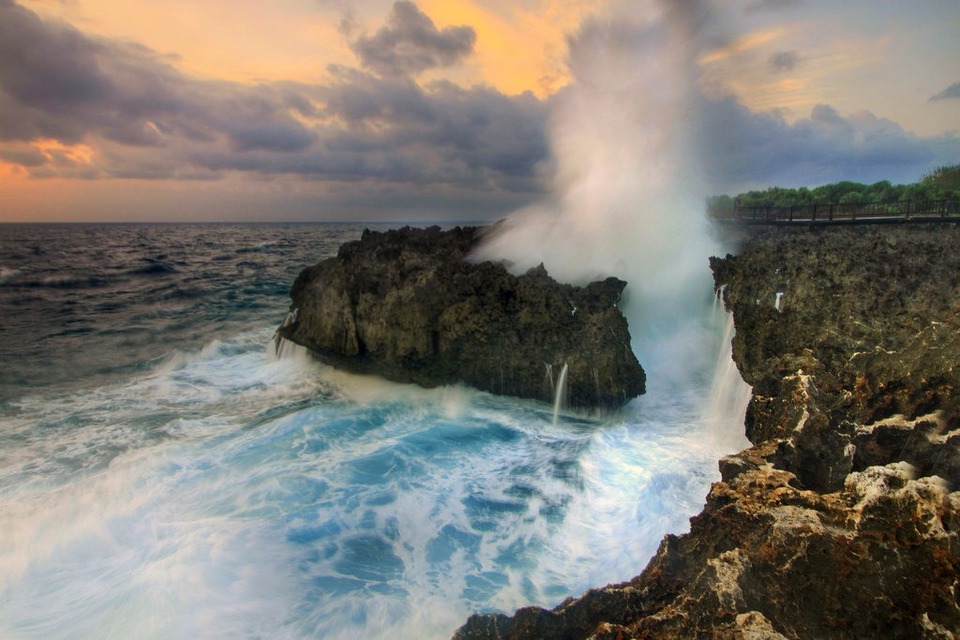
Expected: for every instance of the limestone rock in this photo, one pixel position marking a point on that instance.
(843, 519)
(408, 305)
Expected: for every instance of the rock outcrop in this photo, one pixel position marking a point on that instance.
(843, 519)
(409, 306)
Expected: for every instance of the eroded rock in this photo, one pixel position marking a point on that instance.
(409, 306)
(843, 519)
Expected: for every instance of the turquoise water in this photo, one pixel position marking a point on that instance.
(164, 473)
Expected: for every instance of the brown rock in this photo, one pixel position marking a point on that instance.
(843, 519)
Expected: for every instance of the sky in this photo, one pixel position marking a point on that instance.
(136, 110)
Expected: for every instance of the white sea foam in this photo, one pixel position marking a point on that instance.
(240, 495)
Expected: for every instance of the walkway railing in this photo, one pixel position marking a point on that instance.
(907, 211)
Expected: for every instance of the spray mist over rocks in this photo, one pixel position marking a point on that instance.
(626, 193)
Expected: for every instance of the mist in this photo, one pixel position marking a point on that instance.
(627, 190)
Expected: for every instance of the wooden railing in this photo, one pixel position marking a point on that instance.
(906, 211)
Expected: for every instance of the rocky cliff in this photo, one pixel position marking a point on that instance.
(843, 519)
(408, 305)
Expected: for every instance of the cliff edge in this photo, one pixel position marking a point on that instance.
(843, 519)
(407, 305)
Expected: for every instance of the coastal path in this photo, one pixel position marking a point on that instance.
(910, 211)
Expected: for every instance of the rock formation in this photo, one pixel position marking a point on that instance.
(409, 306)
(843, 519)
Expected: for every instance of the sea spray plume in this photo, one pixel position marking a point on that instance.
(626, 195)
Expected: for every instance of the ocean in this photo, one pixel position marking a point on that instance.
(166, 473)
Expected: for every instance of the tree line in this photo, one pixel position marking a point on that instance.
(943, 183)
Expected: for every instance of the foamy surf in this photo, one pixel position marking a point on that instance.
(230, 493)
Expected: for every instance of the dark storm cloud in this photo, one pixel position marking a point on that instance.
(392, 129)
(411, 43)
(23, 156)
(57, 83)
(782, 61)
(953, 91)
(745, 149)
(145, 119)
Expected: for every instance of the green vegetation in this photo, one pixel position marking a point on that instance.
(946, 178)
(943, 183)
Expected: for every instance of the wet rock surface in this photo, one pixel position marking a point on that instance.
(843, 519)
(407, 305)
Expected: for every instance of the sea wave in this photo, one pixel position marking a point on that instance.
(207, 486)
(298, 501)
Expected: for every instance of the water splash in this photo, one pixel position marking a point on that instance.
(626, 197)
(627, 200)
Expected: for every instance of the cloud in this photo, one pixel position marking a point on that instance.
(410, 43)
(392, 129)
(145, 119)
(771, 5)
(77, 106)
(59, 83)
(783, 61)
(348, 16)
(745, 149)
(23, 155)
(953, 91)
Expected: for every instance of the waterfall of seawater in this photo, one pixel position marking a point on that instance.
(279, 343)
(560, 393)
(729, 396)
